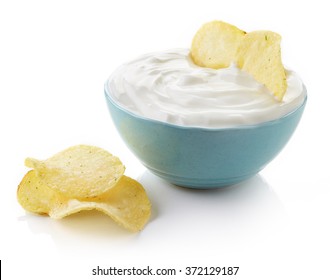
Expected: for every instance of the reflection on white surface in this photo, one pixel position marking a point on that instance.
(229, 216)
(180, 217)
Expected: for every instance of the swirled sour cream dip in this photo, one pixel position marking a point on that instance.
(169, 87)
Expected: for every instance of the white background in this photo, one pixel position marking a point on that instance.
(54, 59)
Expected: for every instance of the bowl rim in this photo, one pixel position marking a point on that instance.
(200, 128)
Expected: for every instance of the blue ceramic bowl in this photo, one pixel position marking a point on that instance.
(203, 158)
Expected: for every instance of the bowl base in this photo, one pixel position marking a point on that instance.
(204, 183)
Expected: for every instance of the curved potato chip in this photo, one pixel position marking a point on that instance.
(80, 171)
(260, 55)
(34, 196)
(127, 203)
(215, 44)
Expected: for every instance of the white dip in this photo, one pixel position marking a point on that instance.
(169, 87)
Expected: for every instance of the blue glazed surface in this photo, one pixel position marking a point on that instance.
(199, 157)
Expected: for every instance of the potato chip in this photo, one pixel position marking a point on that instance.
(80, 171)
(127, 203)
(215, 44)
(34, 196)
(218, 44)
(259, 53)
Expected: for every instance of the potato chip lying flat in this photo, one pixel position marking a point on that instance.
(215, 44)
(51, 188)
(34, 196)
(80, 171)
(126, 203)
(260, 55)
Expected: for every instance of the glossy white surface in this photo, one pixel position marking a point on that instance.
(55, 58)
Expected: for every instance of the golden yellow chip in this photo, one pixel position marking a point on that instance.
(218, 44)
(80, 171)
(127, 203)
(259, 53)
(215, 44)
(34, 196)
